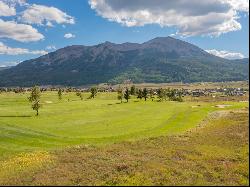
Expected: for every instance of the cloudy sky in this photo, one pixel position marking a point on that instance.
(31, 28)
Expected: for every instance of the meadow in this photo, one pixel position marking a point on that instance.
(101, 122)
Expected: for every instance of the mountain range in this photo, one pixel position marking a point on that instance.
(163, 59)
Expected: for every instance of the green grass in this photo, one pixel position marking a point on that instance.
(102, 120)
(215, 153)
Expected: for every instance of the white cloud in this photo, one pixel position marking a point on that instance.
(190, 17)
(6, 9)
(15, 2)
(69, 35)
(51, 47)
(19, 32)
(7, 64)
(49, 24)
(44, 15)
(240, 5)
(225, 54)
(5, 50)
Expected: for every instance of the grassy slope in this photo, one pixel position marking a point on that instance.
(216, 153)
(98, 121)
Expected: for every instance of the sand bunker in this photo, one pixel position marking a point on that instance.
(48, 102)
(222, 106)
(195, 106)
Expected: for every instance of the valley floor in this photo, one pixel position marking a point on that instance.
(214, 153)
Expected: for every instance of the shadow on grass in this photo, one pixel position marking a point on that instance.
(21, 116)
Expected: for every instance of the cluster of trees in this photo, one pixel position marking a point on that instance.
(126, 93)
(123, 94)
(93, 92)
(171, 94)
(161, 94)
(35, 96)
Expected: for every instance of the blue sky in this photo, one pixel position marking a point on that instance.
(222, 29)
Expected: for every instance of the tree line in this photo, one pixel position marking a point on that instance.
(35, 97)
(160, 94)
(122, 93)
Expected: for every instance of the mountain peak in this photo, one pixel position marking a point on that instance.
(162, 59)
(170, 44)
(160, 40)
(108, 43)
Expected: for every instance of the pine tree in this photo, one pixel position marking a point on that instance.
(132, 90)
(59, 94)
(139, 95)
(35, 99)
(79, 94)
(126, 94)
(93, 91)
(145, 93)
(151, 93)
(120, 94)
(160, 94)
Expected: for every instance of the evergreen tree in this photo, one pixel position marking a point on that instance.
(126, 94)
(59, 94)
(145, 93)
(139, 95)
(151, 94)
(170, 94)
(93, 91)
(133, 90)
(174, 95)
(79, 94)
(160, 94)
(34, 98)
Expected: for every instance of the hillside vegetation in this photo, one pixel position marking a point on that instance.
(159, 60)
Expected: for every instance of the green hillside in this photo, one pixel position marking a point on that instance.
(156, 61)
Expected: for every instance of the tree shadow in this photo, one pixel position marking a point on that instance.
(21, 116)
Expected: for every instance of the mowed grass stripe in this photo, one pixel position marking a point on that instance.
(98, 121)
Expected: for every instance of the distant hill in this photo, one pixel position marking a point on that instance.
(3, 68)
(163, 59)
(243, 60)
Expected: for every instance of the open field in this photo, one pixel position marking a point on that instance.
(39, 147)
(97, 121)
